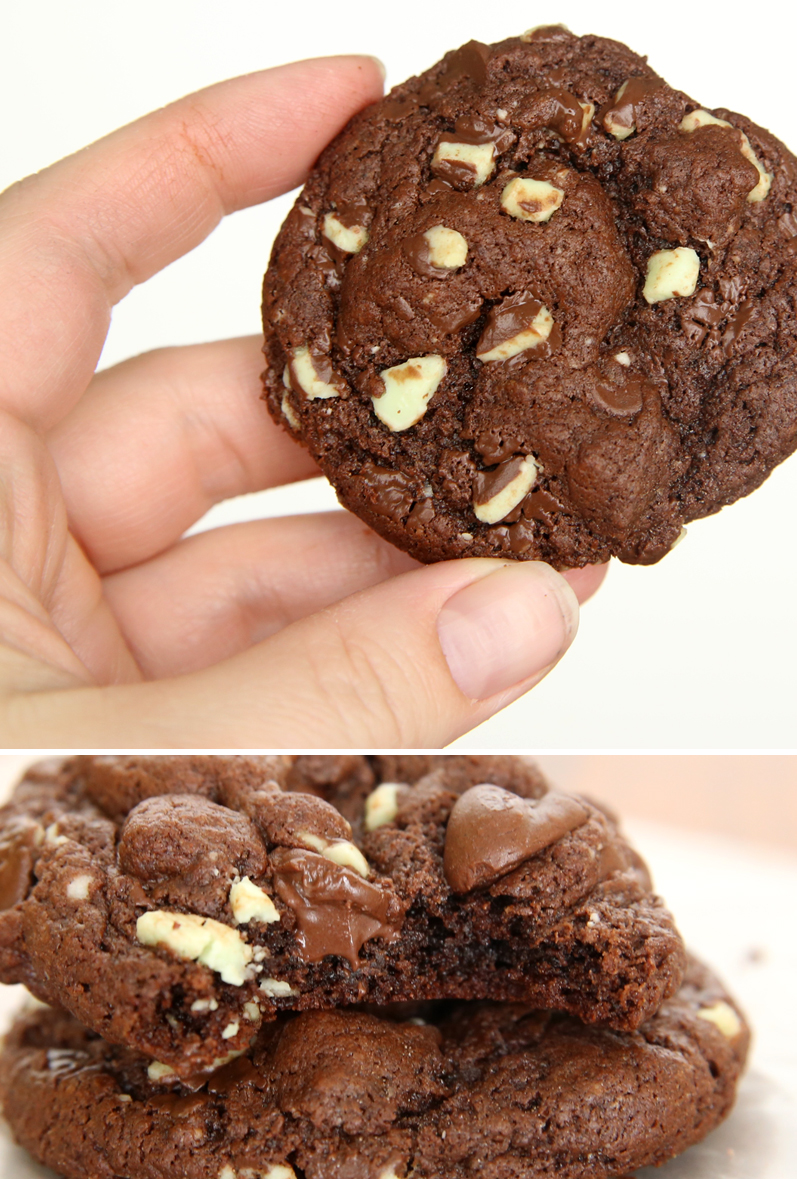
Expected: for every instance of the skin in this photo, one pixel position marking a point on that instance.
(297, 632)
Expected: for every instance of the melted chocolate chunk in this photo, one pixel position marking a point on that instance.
(730, 289)
(496, 445)
(352, 213)
(476, 129)
(422, 513)
(491, 831)
(703, 309)
(540, 505)
(520, 536)
(456, 318)
(390, 491)
(233, 1076)
(469, 61)
(556, 109)
(416, 251)
(703, 317)
(567, 117)
(736, 325)
(623, 398)
(397, 109)
(336, 910)
(323, 369)
(459, 174)
(179, 1107)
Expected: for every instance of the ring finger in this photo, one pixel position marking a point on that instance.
(159, 439)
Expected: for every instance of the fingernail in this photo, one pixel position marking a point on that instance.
(380, 65)
(507, 627)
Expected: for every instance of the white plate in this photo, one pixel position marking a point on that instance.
(737, 905)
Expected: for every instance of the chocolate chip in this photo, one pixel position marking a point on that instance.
(491, 831)
(490, 483)
(623, 397)
(509, 318)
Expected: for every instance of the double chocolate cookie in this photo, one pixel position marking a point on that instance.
(176, 904)
(501, 1090)
(537, 304)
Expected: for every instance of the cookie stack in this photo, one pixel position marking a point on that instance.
(345, 968)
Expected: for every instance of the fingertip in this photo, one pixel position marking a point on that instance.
(586, 581)
(362, 71)
(380, 66)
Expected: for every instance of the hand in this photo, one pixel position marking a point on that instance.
(304, 632)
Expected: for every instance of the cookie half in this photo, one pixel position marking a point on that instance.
(446, 1089)
(181, 924)
(537, 304)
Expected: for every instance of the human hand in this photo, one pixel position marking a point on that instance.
(302, 632)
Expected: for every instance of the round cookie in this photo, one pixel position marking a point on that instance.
(498, 1088)
(174, 904)
(537, 304)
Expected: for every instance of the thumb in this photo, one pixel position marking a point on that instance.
(411, 663)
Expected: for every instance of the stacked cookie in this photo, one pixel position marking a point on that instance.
(353, 967)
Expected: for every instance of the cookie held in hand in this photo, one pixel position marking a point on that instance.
(175, 904)
(537, 304)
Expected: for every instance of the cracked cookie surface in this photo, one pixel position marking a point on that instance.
(537, 304)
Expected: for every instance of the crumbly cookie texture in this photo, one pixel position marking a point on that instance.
(423, 1089)
(174, 904)
(557, 321)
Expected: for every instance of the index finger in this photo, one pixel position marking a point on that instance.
(76, 237)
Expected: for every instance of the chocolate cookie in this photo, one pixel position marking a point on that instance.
(456, 1089)
(175, 904)
(537, 304)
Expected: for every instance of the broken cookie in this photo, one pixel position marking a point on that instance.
(176, 904)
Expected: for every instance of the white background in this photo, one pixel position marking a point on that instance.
(696, 652)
